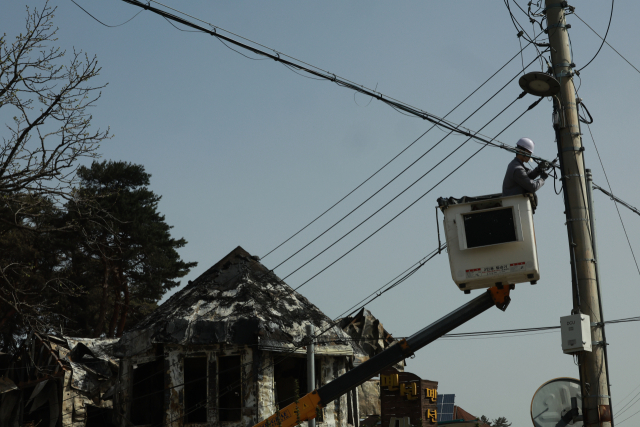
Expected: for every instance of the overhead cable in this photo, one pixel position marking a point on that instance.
(630, 393)
(396, 156)
(408, 167)
(635, 413)
(628, 405)
(326, 75)
(617, 199)
(110, 26)
(614, 199)
(603, 38)
(400, 278)
(418, 199)
(604, 41)
(521, 31)
(394, 198)
(329, 76)
(511, 332)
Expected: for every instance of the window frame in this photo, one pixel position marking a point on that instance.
(462, 235)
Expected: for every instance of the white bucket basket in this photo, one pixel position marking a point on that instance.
(491, 241)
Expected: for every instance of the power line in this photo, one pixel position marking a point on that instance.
(407, 168)
(392, 283)
(628, 405)
(603, 38)
(517, 332)
(396, 196)
(521, 30)
(517, 24)
(604, 41)
(631, 392)
(635, 413)
(110, 26)
(397, 155)
(318, 72)
(193, 31)
(327, 75)
(417, 200)
(615, 201)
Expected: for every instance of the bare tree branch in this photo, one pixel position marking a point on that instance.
(45, 96)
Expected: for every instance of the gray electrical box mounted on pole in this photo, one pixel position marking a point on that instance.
(576, 333)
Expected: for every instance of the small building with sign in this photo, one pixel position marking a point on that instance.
(407, 400)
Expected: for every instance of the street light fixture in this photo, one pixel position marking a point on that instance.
(539, 84)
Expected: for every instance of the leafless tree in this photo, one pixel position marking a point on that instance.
(48, 102)
(45, 97)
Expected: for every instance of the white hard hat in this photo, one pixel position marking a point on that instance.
(526, 143)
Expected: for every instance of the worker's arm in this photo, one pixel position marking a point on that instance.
(306, 408)
(521, 177)
(533, 173)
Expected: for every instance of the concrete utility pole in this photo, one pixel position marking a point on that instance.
(596, 408)
(311, 366)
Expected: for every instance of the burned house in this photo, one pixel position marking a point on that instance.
(228, 350)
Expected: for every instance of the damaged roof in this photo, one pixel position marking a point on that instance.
(238, 301)
(368, 331)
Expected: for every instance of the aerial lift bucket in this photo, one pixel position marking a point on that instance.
(490, 240)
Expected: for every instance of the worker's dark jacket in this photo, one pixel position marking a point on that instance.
(519, 180)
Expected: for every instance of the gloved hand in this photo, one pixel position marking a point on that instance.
(543, 174)
(543, 166)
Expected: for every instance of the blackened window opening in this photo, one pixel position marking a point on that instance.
(291, 379)
(230, 388)
(489, 228)
(148, 397)
(98, 417)
(195, 389)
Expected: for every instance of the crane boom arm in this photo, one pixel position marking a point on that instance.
(306, 407)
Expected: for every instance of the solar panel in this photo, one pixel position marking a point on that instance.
(445, 403)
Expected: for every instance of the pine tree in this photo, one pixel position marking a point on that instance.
(126, 258)
(500, 422)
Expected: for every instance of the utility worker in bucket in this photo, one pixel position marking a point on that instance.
(519, 179)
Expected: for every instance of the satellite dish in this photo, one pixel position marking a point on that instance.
(551, 404)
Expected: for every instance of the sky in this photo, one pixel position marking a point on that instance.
(246, 152)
